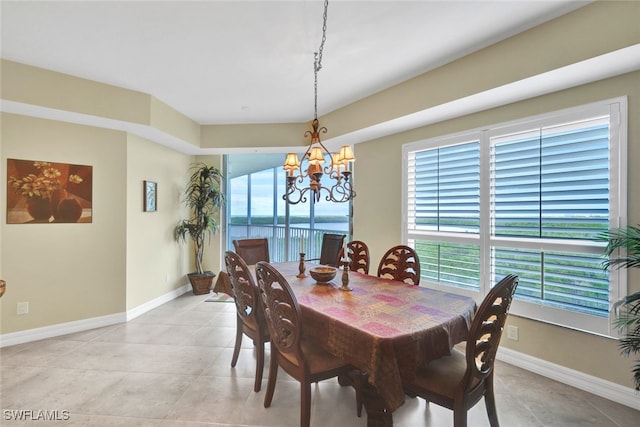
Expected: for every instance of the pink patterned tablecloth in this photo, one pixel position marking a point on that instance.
(383, 327)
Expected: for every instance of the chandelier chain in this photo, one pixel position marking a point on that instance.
(317, 63)
(304, 175)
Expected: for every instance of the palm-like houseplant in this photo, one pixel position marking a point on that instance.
(627, 309)
(204, 197)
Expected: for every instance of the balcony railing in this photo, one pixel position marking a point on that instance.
(282, 249)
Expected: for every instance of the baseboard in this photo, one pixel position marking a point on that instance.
(45, 332)
(606, 389)
(156, 302)
(57, 330)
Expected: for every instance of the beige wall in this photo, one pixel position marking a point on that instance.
(156, 263)
(260, 137)
(51, 90)
(66, 272)
(36, 86)
(125, 258)
(120, 261)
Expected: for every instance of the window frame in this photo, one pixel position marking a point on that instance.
(282, 248)
(617, 110)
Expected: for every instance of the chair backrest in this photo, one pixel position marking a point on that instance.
(245, 291)
(331, 246)
(400, 263)
(486, 331)
(282, 313)
(252, 250)
(358, 253)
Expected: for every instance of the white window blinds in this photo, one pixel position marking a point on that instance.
(529, 198)
(552, 182)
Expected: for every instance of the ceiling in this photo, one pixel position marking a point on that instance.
(232, 62)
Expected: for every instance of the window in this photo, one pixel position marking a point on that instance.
(255, 208)
(529, 198)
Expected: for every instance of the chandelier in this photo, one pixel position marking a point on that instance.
(318, 159)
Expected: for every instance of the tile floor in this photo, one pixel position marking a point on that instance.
(171, 367)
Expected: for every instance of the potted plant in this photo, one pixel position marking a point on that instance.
(203, 196)
(627, 310)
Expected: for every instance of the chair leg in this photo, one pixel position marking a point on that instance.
(236, 349)
(305, 404)
(460, 419)
(259, 367)
(271, 382)
(490, 403)
(459, 415)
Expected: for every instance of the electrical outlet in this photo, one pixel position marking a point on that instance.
(23, 308)
(512, 333)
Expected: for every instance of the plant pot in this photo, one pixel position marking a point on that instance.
(201, 283)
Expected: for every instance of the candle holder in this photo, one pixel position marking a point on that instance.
(345, 275)
(301, 267)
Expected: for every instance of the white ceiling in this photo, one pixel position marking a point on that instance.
(223, 62)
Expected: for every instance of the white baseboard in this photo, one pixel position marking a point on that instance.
(57, 330)
(156, 302)
(606, 389)
(45, 332)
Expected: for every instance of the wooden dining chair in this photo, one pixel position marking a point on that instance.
(459, 381)
(358, 253)
(331, 247)
(249, 315)
(400, 263)
(291, 350)
(252, 250)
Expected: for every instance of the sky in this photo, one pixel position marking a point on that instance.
(262, 197)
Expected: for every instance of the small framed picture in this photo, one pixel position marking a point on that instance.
(150, 196)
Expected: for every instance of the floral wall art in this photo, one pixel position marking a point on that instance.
(46, 192)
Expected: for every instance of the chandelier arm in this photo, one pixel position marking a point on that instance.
(292, 188)
(342, 192)
(308, 152)
(331, 172)
(338, 193)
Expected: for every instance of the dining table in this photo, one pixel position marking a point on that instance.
(385, 328)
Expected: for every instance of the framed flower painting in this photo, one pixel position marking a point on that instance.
(48, 192)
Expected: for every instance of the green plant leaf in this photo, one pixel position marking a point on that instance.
(204, 197)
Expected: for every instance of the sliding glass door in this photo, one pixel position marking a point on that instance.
(255, 208)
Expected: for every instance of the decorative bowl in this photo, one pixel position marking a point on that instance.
(323, 274)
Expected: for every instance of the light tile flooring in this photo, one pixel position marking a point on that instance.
(171, 367)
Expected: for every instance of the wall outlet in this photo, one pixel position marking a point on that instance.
(512, 333)
(23, 308)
